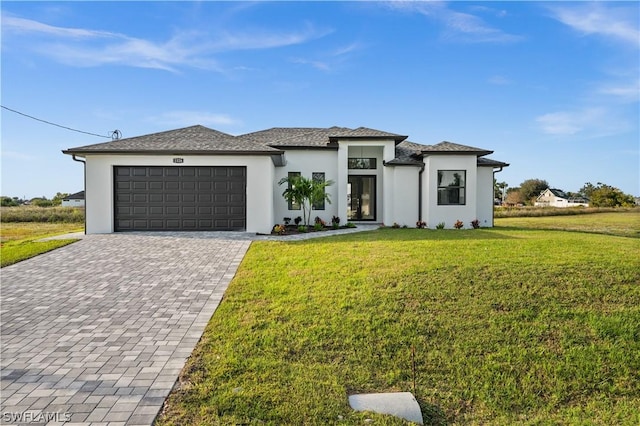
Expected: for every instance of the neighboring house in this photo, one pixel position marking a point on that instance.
(551, 197)
(74, 200)
(198, 178)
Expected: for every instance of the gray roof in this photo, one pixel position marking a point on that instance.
(203, 140)
(76, 196)
(488, 162)
(194, 139)
(446, 147)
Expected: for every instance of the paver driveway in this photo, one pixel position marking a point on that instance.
(99, 330)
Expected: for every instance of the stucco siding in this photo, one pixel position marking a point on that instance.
(99, 198)
(404, 200)
(433, 213)
(307, 162)
(485, 196)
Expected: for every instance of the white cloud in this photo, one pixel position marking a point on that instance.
(189, 118)
(587, 122)
(596, 18)
(627, 92)
(460, 26)
(87, 47)
(499, 80)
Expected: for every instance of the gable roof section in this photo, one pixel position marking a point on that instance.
(308, 137)
(189, 140)
(365, 133)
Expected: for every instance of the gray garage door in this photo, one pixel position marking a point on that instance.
(180, 198)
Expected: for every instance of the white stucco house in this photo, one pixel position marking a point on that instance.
(198, 178)
(552, 197)
(74, 200)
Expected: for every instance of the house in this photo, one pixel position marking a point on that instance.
(198, 178)
(74, 200)
(551, 197)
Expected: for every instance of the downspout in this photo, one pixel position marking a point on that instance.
(493, 207)
(84, 163)
(420, 192)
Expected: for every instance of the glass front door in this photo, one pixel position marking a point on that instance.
(361, 201)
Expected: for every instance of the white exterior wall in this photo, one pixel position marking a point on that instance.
(382, 151)
(73, 203)
(485, 196)
(99, 191)
(307, 162)
(432, 213)
(405, 195)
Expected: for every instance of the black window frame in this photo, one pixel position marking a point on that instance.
(292, 205)
(453, 191)
(358, 163)
(315, 176)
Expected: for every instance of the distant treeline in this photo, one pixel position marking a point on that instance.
(41, 214)
(554, 211)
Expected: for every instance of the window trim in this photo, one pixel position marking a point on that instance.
(463, 187)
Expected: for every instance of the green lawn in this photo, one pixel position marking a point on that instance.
(626, 223)
(19, 239)
(509, 326)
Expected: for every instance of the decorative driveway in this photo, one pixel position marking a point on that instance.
(97, 332)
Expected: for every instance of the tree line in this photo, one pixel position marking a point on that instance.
(599, 195)
(37, 201)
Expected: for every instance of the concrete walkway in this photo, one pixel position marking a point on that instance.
(97, 332)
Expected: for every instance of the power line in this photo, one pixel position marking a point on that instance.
(113, 135)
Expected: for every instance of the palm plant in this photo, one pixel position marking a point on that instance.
(305, 192)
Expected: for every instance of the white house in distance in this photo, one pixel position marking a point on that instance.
(551, 197)
(198, 178)
(74, 200)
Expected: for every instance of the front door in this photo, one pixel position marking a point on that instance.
(361, 198)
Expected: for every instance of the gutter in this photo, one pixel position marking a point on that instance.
(419, 192)
(84, 163)
(493, 207)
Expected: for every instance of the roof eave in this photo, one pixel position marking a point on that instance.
(171, 152)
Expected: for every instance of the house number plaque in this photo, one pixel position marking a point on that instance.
(178, 160)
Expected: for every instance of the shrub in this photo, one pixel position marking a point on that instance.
(318, 226)
(287, 220)
(335, 220)
(279, 229)
(421, 224)
(459, 224)
(395, 225)
(475, 223)
(302, 228)
(350, 225)
(440, 225)
(318, 220)
(297, 220)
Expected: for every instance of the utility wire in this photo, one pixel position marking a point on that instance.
(114, 135)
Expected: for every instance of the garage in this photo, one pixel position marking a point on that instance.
(180, 198)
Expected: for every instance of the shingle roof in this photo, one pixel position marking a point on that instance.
(365, 132)
(294, 136)
(446, 147)
(76, 196)
(192, 139)
(488, 162)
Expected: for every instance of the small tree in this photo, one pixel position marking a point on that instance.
(305, 192)
(531, 188)
(57, 199)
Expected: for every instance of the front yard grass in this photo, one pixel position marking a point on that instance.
(18, 239)
(509, 326)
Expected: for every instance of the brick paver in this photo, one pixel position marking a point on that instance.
(97, 332)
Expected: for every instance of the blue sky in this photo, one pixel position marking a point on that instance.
(552, 87)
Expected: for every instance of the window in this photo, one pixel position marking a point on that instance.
(292, 204)
(451, 187)
(318, 177)
(362, 163)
